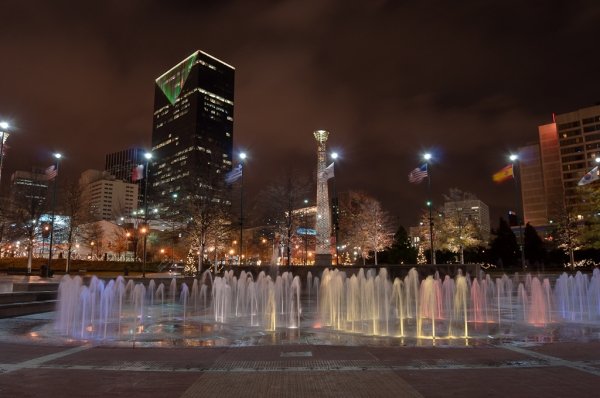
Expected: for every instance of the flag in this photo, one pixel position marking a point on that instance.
(327, 173)
(234, 175)
(418, 174)
(590, 177)
(504, 174)
(51, 172)
(137, 173)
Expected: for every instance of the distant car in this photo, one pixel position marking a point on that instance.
(176, 269)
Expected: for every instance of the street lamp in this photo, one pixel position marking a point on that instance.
(336, 211)
(54, 176)
(3, 127)
(428, 157)
(514, 158)
(174, 196)
(243, 157)
(147, 156)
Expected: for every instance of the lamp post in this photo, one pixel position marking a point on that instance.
(427, 157)
(144, 230)
(336, 211)
(54, 176)
(305, 233)
(243, 157)
(3, 127)
(515, 159)
(174, 196)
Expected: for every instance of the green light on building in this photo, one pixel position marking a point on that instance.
(171, 83)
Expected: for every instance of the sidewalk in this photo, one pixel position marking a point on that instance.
(551, 370)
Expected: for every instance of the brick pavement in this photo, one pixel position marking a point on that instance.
(549, 370)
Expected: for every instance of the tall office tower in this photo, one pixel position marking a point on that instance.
(29, 185)
(108, 198)
(121, 164)
(568, 148)
(192, 136)
(551, 170)
(579, 141)
(535, 208)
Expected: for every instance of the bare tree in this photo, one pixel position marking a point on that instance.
(94, 234)
(204, 209)
(365, 224)
(26, 207)
(457, 230)
(76, 208)
(279, 203)
(4, 223)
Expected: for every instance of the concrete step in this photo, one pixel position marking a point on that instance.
(26, 308)
(26, 297)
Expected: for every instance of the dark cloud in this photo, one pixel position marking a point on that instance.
(389, 79)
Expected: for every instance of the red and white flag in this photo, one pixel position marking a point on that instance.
(51, 172)
(137, 173)
(418, 174)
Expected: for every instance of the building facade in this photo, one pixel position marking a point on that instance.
(121, 165)
(29, 185)
(535, 208)
(567, 150)
(107, 197)
(579, 142)
(192, 135)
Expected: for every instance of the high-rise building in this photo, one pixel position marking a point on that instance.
(192, 136)
(567, 150)
(121, 164)
(29, 185)
(107, 197)
(579, 142)
(535, 204)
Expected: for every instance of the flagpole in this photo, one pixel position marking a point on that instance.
(514, 159)
(47, 270)
(242, 158)
(148, 156)
(427, 158)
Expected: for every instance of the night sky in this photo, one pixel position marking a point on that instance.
(468, 80)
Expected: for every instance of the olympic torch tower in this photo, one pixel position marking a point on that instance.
(323, 227)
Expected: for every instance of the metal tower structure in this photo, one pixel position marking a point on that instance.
(323, 227)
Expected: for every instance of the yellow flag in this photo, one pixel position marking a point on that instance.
(504, 174)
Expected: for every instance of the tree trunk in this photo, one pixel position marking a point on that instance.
(29, 257)
(572, 258)
(462, 255)
(68, 267)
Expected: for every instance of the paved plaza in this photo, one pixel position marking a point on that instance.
(73, 369)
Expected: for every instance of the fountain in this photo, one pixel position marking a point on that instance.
(365, 304)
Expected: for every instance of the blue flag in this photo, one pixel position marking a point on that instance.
(234, 175)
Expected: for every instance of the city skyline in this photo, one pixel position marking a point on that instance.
(388, 81)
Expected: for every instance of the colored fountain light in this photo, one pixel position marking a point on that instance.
(367, 303)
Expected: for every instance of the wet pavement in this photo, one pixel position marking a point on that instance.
(295, 363)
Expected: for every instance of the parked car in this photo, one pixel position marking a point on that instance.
(176, 269)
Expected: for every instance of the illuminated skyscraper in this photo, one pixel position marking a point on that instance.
(192, 135)
(551, 170)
